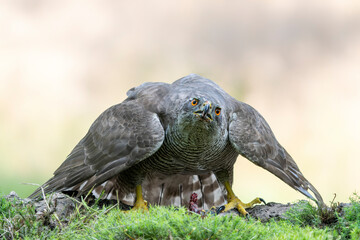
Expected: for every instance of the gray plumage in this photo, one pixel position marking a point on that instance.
(173, 139)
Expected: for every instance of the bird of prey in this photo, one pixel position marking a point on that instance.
(167, 141)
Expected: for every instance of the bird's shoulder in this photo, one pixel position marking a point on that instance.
(149, 95)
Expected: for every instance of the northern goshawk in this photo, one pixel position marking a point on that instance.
(167, 141)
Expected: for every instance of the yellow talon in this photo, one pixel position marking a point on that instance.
(234, 202)
(140, 203)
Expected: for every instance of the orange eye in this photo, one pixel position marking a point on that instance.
(194, 102)
(217, 111)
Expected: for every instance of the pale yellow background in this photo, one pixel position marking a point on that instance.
(297, 62)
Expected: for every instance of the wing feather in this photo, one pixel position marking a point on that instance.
(122, 136)
(252, 137)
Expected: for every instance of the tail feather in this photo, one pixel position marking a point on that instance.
(165, 190)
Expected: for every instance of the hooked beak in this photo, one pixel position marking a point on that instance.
(204, 110)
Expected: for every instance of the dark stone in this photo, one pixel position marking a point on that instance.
(271, 210)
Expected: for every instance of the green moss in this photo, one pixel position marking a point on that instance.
(342, 221)
(170, 223)
(18, 220)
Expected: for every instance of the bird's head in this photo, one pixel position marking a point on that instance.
(200, 112)
(204, 109)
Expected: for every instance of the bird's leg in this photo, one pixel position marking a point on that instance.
(234, 202)
(140, 203)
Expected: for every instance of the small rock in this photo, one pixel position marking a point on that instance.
(12, 195)
(58, 203)
(271, 210)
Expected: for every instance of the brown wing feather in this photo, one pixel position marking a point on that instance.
(122, 136)
(252, 137)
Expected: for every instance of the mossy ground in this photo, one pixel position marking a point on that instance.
(18, 221)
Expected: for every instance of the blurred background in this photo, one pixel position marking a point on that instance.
(297, 62)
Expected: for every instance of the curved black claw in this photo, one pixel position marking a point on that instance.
(247, 216)
(262, 200)
(220, 209)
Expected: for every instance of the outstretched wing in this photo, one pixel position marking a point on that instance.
(122, 136)
(252, 137)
